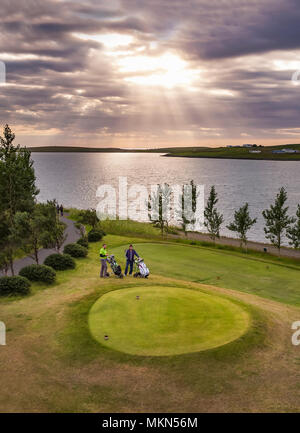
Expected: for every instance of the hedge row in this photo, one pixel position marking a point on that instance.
(60, 262)
(75, 250)
(39, 273)
(83, 242)
(95, 235)
(20, 285)
(14, 286)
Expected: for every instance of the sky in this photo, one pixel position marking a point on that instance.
(137, 73)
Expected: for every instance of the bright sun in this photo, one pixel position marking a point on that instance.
(167, 70)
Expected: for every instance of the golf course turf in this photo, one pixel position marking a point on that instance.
(222, 269)
(54, 363)
(159, 321)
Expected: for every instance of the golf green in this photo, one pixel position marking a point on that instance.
(165, 321)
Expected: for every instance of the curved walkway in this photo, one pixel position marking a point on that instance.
(73, 235)
(252, 245)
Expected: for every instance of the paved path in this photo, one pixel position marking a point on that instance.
(257, 246)
(73, 235)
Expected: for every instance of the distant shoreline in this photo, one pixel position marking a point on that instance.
(242, 153)
(245, 158)
(73, 149)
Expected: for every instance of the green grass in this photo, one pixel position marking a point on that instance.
(122, 227)
(53, 364)
(165, 321)
(222, 269)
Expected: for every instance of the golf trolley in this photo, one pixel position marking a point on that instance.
(141, 270)
(114, 266)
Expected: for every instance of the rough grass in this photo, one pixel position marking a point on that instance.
(122, 227)
(53, 364)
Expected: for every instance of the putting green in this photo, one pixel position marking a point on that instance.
(165, 321)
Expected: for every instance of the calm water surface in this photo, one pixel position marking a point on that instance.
(73, 178)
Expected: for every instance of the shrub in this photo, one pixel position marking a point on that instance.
(95, 235)
(14, 286)
(38, 273)
(60, 262)
(83, 242)
(75, 250)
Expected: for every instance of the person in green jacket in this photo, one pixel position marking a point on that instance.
(103, 258)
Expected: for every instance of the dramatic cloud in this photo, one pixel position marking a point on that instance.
(140, 73)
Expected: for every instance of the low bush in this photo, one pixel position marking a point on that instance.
(83, 242)
(39, 273)
(14, 286)
(60, 262)
(75, 250)
(95, 235)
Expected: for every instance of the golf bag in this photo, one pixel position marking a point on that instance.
(141, 270)
(114, 266)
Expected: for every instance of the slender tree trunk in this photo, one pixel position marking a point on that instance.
(11, 265)
(36, 254)
(5, 269)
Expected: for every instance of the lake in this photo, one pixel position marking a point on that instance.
(73, 179)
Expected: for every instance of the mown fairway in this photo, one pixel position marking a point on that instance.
(53, 363)
(223, 269)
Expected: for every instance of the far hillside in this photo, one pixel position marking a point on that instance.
(282, 152)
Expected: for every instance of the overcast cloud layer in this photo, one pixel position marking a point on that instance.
(151, 73)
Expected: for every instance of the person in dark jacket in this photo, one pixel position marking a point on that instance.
(61, 210)
(130, 254)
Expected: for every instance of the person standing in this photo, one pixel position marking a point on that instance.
(130, 253)
(103, 258)
(61, 210)
(57, 209)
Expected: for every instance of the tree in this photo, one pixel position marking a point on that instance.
(4, 263)
(242, 224)
(10, 243)
(187, 206)
(277, 220)
(54, 236)
(81, 229)
(34, 229)
(17, 188)
(159, 207)
(212, 218)
(293, 232)
(17, 178)
(4, 256)
(88, 217)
